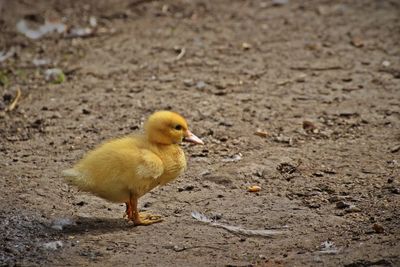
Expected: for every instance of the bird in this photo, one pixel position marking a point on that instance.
(122, 170)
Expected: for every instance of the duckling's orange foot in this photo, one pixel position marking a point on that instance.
(147, 219)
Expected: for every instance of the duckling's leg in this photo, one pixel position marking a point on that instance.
(142, 218)
(128, 213)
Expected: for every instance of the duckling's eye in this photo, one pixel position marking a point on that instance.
(178, 127)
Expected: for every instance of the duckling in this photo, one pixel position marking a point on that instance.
(122, 170)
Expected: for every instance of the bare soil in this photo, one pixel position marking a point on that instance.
(319, 80)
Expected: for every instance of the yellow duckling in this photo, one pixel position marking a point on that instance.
(123, 170)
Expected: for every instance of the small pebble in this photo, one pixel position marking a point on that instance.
(386, 63)
(186, 188)
(260, 133)
(342, 205)
(396, 191)
(246, 46)
(395, 149)
(54, 75)
(60, 223)
(309, 126)
(147, 204)
(223, 139)
(53, 245)
(301, 78)
(357, 42)
(86, 111)
(314, 205)
(378, 228)
(336, 199)
(318, 174)
(353, 208)
(177, 248)
(216, 216)
(200, 85)
(188, 82)
(189, 187)
(254, 188)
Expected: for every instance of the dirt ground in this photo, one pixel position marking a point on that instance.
(301, 98)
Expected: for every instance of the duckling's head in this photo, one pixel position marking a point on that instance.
(166, 127)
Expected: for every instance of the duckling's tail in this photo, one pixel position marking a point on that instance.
(75, 177)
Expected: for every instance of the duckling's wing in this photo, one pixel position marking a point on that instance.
(150, 165)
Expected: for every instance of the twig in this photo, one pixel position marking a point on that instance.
(14, 103)
(236, 229)
(181, 54)
(316, 68)
(211, 247)
(186, 248)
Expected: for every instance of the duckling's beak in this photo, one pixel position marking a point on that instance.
(190, 137)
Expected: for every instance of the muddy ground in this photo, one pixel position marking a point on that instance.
(318, 80)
